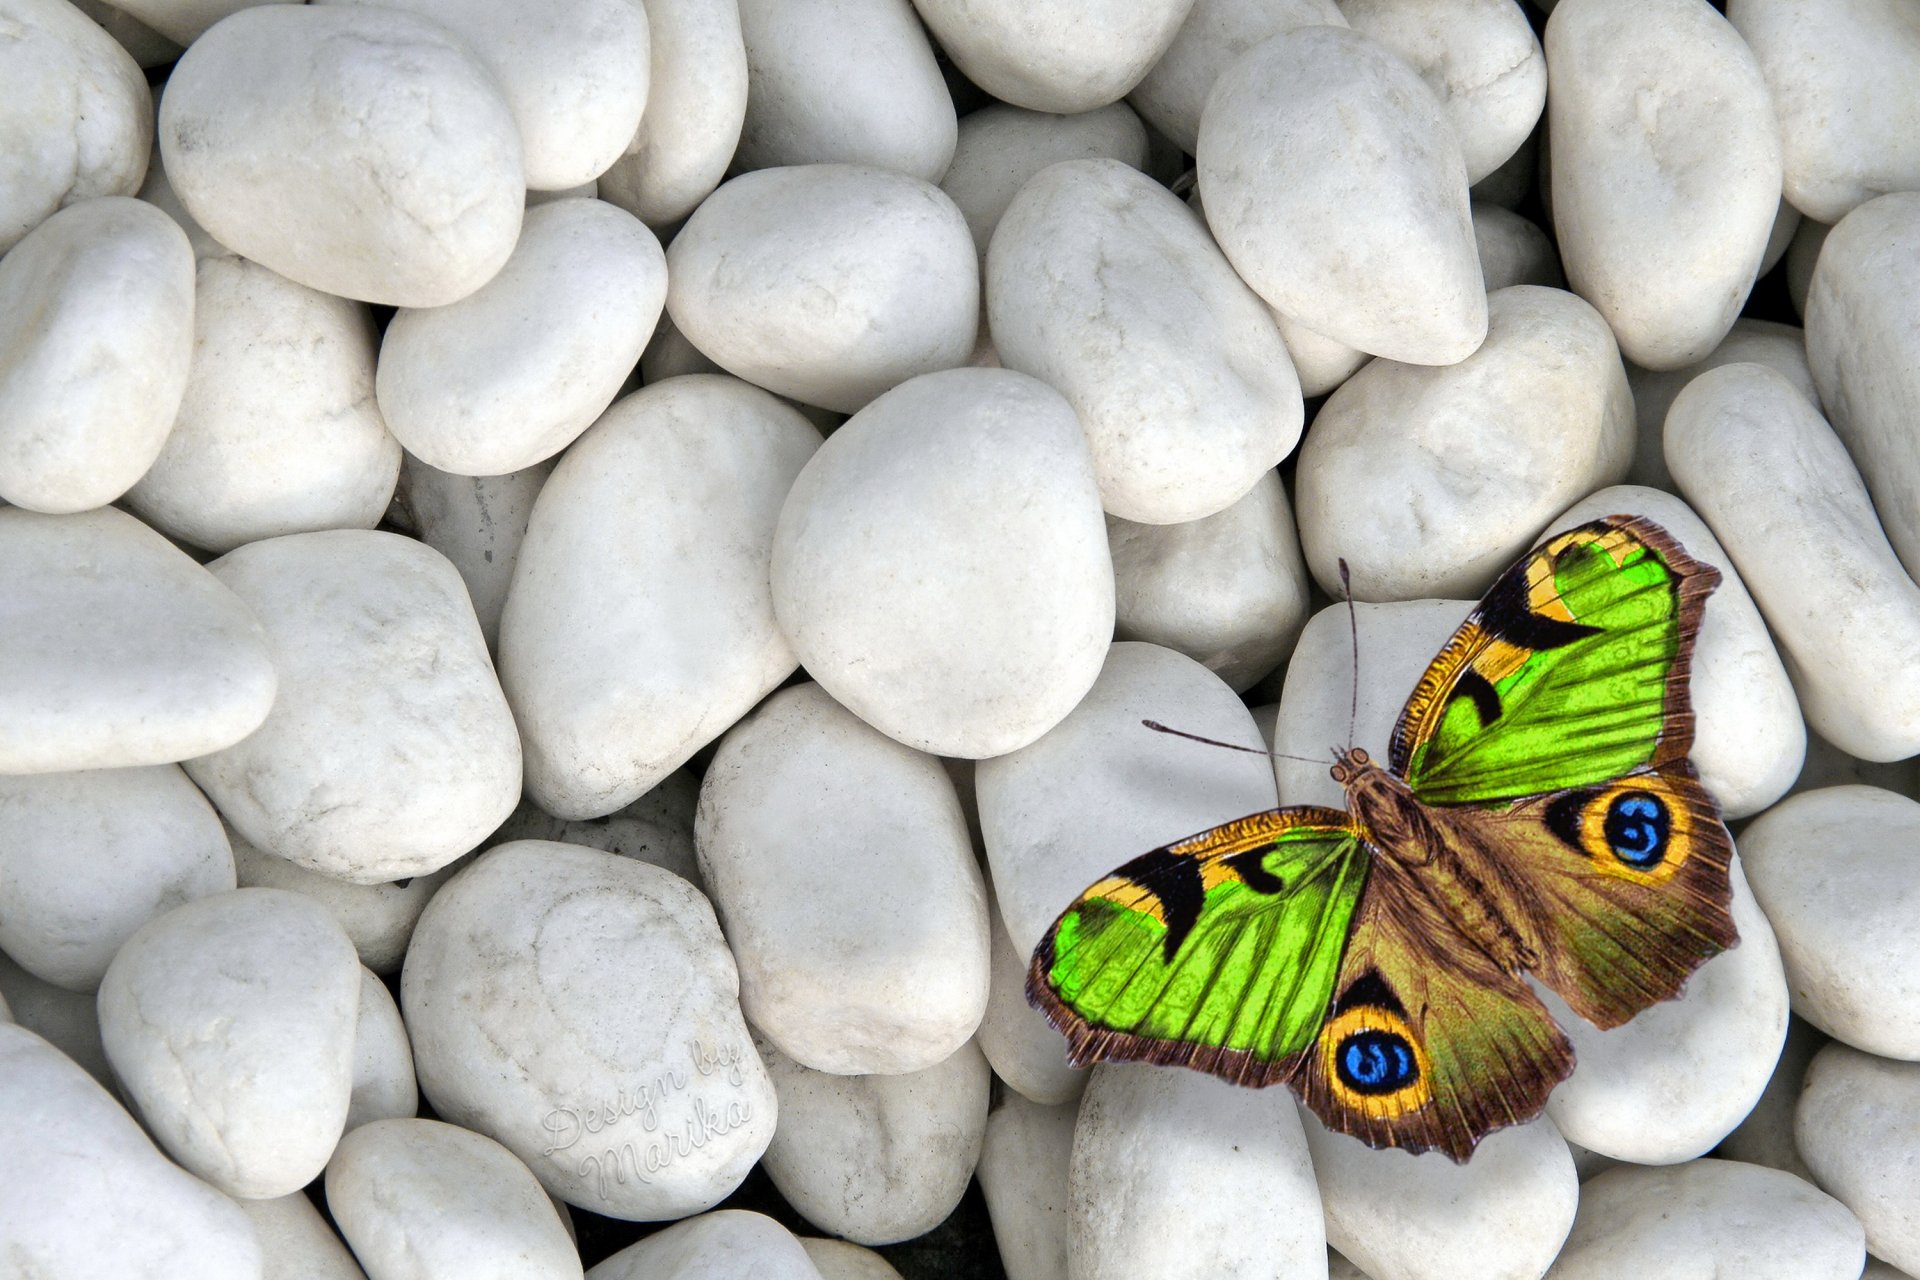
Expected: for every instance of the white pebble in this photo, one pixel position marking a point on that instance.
(1171, 95)
(1766, 1135)
(296, 1242)
(379, 918)
(1024, 1050)
(727, 1244)
(383, 1083)
(844, 1260)
(1858, 1125)
(1025, 1163)
(477, 522)
(1321, 363)
(1000, 147)
(1071, 55)
(1512, 250)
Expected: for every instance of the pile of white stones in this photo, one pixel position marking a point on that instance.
(657, 910)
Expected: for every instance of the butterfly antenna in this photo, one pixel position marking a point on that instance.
(1157, 727)
(1353, 630)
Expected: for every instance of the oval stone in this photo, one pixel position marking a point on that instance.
(721, 1245)
(844, 1260)
(1025, 1052)
(1171, 95)
(298, 1243)
(379, 918)
(477, 522)
(1025, 1162)
(1070, 55)
(1001, 147)
(1858, 1126)
(383, 1083)
(1512, 250)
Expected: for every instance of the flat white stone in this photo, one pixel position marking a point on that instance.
(1104, 286)
(1863, 310)
(1335, 185)
(844, 1260)
(383, 1083)
(639, 624)
(68, 1020)
(83, 1193)
(1025, 1162)
(839, 865)
(1066, 57)
(1844, 910)
(1022, 1047)
(582, 1009)
(422, 1198)
(1749, 738)
(1766, 471)
(87, 858)
(1766, 1135)
(230, 1023)
(826, 282)
(513, 373)
(96, 323)
(1229, 1191)
(877, 1159)
(390, 750)
(1709, 1217)
(1841, 76)
(1781, 346)
(1229, 590)
(478, 522)
(1666, 170)
(1171, 95)
(379, 918)
(77, 120)
(1512, 250)
(1101, 788)
(1000, 147)
(278, 431)
(696, 100)
(843, 82)
(120, 650)
(1858, 1126)
(656, 828)
(721, 1245)
(296, 1242)
(1430, 481)
(280, 140)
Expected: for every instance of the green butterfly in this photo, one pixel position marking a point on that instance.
(1537, 814)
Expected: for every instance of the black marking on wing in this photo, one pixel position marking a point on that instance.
(1477, 689)
(1251, 867)
(1507, 614)
(1562, 817)
(1175, 880)
(1369, 990)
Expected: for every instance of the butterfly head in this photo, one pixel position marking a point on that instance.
(1350, 764)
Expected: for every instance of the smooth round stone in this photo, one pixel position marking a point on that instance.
(826, 282)
(87, 858)
(68, 1020)
(422, 1198)
(1430, 481)
(1709, 1218)
(1858, 1125)
(1025, 1161)
(1841, 76)
(1000, 147)
(1781, 346)
(1064, 57)
(1844, 910)
(96, 320)
(390, 750)
(278, 431)
(647, 1106)
(83, 1193)
(477, 522)
(121, 650)
(1171, 95)
(1749, 738)
(573, 73)
(1103, 285)
(1102, 788)
(283, 138)
(721, 1245)
(844, 1260)
(1512, 250)
(1022, 1047)
(1766, 471)
(1335, 185)
(1229, 590)
(839, 864)
(1863, 312)
(1403, 1217)
(513, 373)
(383, 1083)
(877, 1159)
(1766, 1135)
(77, 120)
(1321, 363)
(656, 828)
(941, 564)
(639, 624)
(230, 1023)
(1666, 170)
(379, 918)
(1480, 59)
(697, 101)
(1229, 1191)
(296, 1242)
(843, 82)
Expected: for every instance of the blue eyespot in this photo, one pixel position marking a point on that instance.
(1375, 1061)
(1637, 828)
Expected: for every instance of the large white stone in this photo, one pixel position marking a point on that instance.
(1022, 1047)
(1335, 185)
(96, 323)
(379, 918)
(120, 650)
(478, 522)
(1071, 55)
(1781, 346)
(582, 1009)
(296, 1241)
(1766, 471)
(1666, 170)
(826, 282)
(941, 564)
(513, 373)
(1430, 481)
(727, 1244)
(87, 858)
(1215, 32)
(84, 1194)
(230, 1023)
(639, 624)
(1103, 285)
(1025, 1163)
(383, 1084)
(285, 138)
(839, 865)
(1000, 147)
(1858, 1125)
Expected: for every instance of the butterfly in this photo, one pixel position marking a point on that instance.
(1537, 814)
